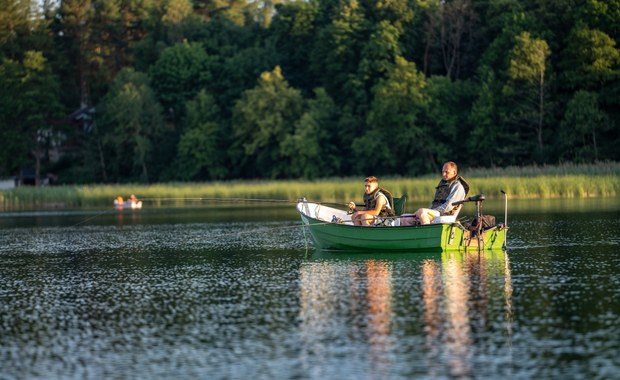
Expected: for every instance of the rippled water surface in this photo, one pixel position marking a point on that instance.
(233, 293)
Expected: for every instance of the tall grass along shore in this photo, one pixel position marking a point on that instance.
(567, 181)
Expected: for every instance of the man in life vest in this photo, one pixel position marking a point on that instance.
(451, 188)
(378, 204)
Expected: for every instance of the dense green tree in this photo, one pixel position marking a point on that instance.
(179, 74)
(590, 59)
(601, 54)
(398, 13)
(134, 24)
(394, 141)
(98, 37)
(446, 133)
(266, 10)
(76, 18)
(510, 23)
(201, 154)
(293, 30)
(602, 15)
(419, 39)
(379, 53)
(106, 51)
(483, 141)
(353, 101)
(262, 119)
(235, 11)
(176, 11)
(335, 58)
(550, 21)
(445, 37)
(581, 129)
(456, 21)
(179, 23)
(238, 73)
(29, 94)
(526, 89)
(21, 24)
(493, 113)
(130, 126)
(15, 151)
(312, 146)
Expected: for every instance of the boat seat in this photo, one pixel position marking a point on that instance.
(447, 218)
(399, 205)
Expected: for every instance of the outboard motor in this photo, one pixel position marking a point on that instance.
(481, 222)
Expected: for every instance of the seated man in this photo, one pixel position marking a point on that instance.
(377, 202)
(451, 188)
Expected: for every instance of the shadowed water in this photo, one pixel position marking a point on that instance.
(233, 293)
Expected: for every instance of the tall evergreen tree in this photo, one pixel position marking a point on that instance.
(29, 94)
(76, 16)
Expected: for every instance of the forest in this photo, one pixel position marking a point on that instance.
(150, 91)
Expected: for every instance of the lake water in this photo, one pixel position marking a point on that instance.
(235, 293)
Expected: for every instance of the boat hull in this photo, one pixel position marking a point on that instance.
(128, 204)
(344, 236)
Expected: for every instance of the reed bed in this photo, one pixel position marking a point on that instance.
(327, 190)
(607, 168)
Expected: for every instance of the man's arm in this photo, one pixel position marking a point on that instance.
(381, 201)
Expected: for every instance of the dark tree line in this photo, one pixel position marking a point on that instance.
(146, 90)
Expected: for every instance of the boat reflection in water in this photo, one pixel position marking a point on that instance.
(419, 314)
(457, 294)
(346, 309)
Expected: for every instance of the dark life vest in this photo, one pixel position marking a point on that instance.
(443, 190)
(370, 202)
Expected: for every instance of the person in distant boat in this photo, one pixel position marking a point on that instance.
(378, 204)
(134, 202)
(119, 202)
(451, 188)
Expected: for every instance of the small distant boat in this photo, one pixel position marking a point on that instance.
(332, 229)
(132, 203)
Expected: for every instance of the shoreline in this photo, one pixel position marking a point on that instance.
(327, 190)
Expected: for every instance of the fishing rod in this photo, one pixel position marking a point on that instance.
(239, 200)
(210, 199)
(218, 199)
(505, 217)
(100, 213)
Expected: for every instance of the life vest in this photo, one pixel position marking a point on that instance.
(443, 190)
(370, 202)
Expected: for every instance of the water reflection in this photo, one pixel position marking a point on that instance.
(465, 284)
(351, 297)
(200, 294)
(461, 297)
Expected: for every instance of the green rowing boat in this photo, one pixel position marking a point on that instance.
(332, 229)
